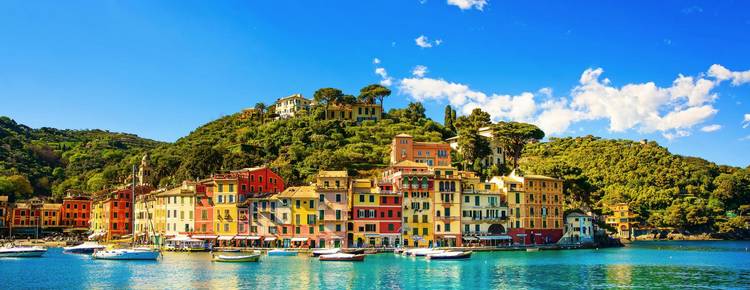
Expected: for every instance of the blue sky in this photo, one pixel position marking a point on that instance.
(161, 69)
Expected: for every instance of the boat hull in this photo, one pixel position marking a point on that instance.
(87, 250)
(236, 259)
(23, 254)
(282, 253)
(126, 255)
(462, 256)
(324, 252)
(353, 258)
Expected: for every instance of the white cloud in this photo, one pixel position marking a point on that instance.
(746, 121)
(721, 74)
(376, 61)
(424, 42)
(419, 71)
(672, 111)
(468, 4)
(746, 138)
(546, 91)
(711, 128)
(385, 79)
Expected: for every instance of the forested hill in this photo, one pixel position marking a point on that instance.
(46, 160)
(666, 190)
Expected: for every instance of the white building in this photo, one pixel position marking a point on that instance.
(287, 107)
(579, 228)
(496, 157)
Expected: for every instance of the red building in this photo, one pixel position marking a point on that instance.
(375, 216)
(204, 210)
(76, 212)
(257, 180)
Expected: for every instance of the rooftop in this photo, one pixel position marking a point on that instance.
(409, 163)
(326, 173)
(299, 192)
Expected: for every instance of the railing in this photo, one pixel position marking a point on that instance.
(447, 218)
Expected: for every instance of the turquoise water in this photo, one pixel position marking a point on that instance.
(642, 265)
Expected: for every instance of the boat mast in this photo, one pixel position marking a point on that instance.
(132, 207)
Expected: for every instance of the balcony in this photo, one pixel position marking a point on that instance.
(485, 219)
(447, 218)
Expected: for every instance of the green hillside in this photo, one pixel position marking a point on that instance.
(46, 160)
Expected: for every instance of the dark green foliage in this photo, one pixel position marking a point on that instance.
(513, 137)
(55, 160)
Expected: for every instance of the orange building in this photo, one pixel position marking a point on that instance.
(51, 215)
(75, 213)
(535, 203)
(404, 147)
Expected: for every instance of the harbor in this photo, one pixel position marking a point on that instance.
(714, 264)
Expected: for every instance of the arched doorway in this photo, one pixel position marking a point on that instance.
(496, 229)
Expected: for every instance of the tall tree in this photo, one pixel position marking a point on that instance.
(374, 92)
(450, 115)
(328, 96)
(415, 112)
(513, 137)
(260, 107)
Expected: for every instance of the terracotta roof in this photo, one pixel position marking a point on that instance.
(403, 135)
(325, 173)
(409, 163)
(299, 192)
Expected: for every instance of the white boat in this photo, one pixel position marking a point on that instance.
(85, 248)
(317, 253)
(22, 252)
(343, 257)
(425, 252)
(127, 254)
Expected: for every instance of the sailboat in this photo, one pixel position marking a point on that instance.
(132, 253)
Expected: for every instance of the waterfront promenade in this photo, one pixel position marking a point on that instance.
(714, 265)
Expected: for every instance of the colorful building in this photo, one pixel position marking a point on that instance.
(332, 188)
(447, 201)
(358, 112)
(112, 213)
(302, 202)
(265, 222)
(376, 214)
(50, 216)
(4, 215)
(144, 221)
(226, 198)
(579, 228)
(535, 203)
(403, 147)
(288, 107)
(484, 212)
(25, 219)
(76, 212)
(204, 211)
(179, 205)
(622, 219)
(415, 183)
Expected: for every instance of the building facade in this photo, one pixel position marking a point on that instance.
(535, 204)
(76, 212)
(447, 200)
(484, 212)
(358, 112)
(621, 219)
(579, 229)
(288, 106)
(301, 201)
(403, 147)
(332, 188)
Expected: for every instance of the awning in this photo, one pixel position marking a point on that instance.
(449, 237)
(299, 239)
(97, 235)
(520, 235)
(470, 238)
(486, 238)
(226, 238)
(269, 239)
(336, 238)
(247, 238)
(372, 235)
(204, 237)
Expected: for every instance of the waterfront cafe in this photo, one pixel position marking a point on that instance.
(488, 241)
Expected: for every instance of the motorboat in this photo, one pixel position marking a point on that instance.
(425, 252)
(236, 258)
(127, 254)
(320, 252)
(22, 252)
(371, 252)
(85, 248)
(398, 251)
(280, 252)
(342, 257)
(532, 249)
(449, 255)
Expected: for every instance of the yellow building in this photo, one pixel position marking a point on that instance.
(302, 202)
(288, 107)
(179, 205)
(225, 207)
(144, 211)
(50, 214)
(356, 112)
(447, 200)
(415, 182)
(622, 219)
(484, 211)
(332, 188)
(99, 220)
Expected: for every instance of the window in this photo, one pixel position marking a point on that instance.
(231, 198)
(361, 198)
(447, 227)
(312, 204)
(338, 197)
(297, 203)
(372, 198)
(322, 197)
(338, 214)
(425, 231)
(390, 227)
(221, 188)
